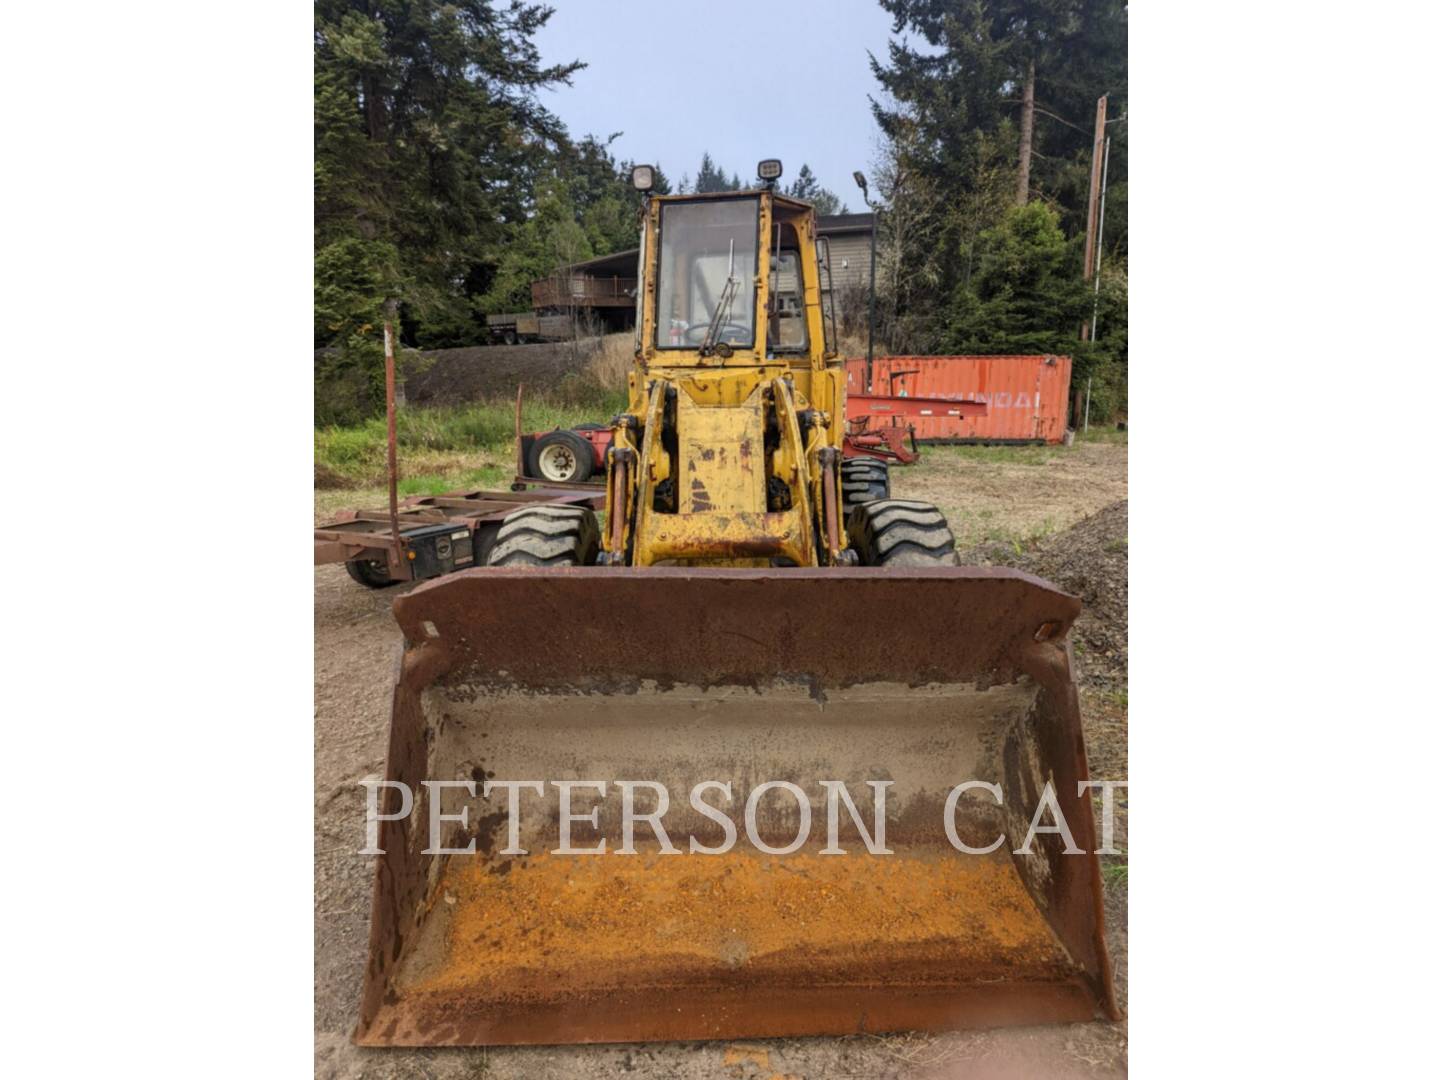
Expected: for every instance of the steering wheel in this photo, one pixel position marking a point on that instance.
(730, 333)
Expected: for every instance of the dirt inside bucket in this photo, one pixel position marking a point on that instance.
(546, 926)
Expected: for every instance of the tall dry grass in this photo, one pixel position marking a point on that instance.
(612, 361)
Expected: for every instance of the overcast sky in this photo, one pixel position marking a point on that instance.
(744, 79)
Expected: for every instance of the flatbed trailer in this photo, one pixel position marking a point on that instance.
(438, 534)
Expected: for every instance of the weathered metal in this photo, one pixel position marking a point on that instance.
(368, 535)
(830, 503)
(877, 425)
(598, 438)
(1026, 396)
(719, 639)
(396, 561)
(887, 442)
(740, 676)
(735, 394)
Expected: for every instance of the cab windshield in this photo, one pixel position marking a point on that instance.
(707, 273)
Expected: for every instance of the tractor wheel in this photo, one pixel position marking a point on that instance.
(561, 456)
(901, 532)
(373, 574)
(547, 536)
(863, 480)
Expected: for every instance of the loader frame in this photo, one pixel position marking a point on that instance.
(779, 411)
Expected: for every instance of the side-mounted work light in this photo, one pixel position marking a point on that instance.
(769, 170)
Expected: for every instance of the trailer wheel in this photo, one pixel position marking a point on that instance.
(510, 338)
(547, 536)
(863, 480)
(901, 532)
(561, 456)
(372, 573)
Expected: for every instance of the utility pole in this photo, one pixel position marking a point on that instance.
(1092, 217)
(1100, 240)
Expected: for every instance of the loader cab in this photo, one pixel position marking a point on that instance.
(731, 280)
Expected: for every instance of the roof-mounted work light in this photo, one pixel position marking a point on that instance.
(643, 177)
(769, 170)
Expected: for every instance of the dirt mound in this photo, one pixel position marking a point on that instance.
(1092, 560)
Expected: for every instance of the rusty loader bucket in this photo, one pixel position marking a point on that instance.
(718, 691)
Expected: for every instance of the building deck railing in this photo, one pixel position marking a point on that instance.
(582, 290)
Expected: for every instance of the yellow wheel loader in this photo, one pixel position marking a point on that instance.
(754, 757)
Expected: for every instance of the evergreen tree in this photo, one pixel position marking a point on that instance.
(1024, 296)
(428, 141)
(1029, 68)
(712, 178)
(551, 237)
(806, 187)
(605, 201)
(995, 110)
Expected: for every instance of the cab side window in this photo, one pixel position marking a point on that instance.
(787, 299)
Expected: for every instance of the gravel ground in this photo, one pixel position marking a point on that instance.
(1002, 508)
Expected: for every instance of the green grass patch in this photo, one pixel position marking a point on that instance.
(1117, 874)
(1107, 434)
(490, 476)
(990, 455)
(482, 431)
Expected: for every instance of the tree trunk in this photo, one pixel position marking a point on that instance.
(374, 109)
(1027, 132)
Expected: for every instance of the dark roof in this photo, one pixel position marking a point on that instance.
(618, 263)
(837, 223)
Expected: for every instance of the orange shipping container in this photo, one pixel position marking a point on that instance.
(1027, 395)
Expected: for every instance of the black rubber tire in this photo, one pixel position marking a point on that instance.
(901, 532)
(863, 480)
(578, 445)
(371, 574)
(547, 536)
(511, 338)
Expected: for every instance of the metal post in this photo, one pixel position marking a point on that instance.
(391, 467)
(874, 220)
(1087, 404)
(870, 351)
(1100, 239)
